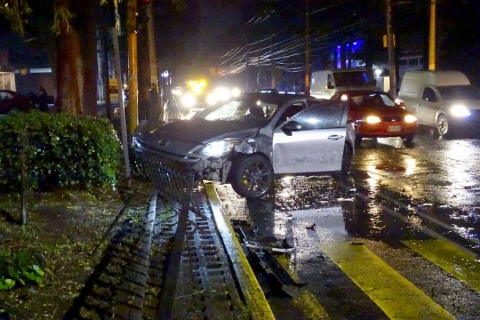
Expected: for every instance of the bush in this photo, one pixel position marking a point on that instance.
(19, 269)
(59, 150)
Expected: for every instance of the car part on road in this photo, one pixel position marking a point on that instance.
(261, 253)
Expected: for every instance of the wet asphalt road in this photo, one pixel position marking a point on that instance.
(399, 238)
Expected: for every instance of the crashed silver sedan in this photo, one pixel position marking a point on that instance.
(247, 140)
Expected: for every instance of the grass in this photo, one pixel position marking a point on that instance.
(63, 229)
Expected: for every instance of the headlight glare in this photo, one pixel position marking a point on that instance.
(235, 92)
(218, 148)
(177, 91)
(222, 93)
(460, 111)
(373, 119)
(212, 99)
(188, 100)
(410, 118)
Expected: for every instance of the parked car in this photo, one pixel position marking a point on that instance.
(443, 100)
(249, 139)
(376, 115)
(11, 100)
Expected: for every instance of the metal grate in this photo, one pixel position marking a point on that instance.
(173, 180)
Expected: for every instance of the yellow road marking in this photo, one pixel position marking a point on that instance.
(305, 301)
(457, 262)
(394, 294)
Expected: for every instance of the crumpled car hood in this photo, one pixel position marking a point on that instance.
(180, 137)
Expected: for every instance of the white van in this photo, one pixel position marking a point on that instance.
(440, 99)
(325, 83)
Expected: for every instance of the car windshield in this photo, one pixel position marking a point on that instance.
(459, 92)
(354, 78)
(372, 100)
(239, 110)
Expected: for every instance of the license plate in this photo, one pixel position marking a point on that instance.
(394, 128)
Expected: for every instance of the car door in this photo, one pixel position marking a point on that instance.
(427, 106)
(312, 140)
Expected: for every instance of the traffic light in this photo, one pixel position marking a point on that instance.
(142, 15)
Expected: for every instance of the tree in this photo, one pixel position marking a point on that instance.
(75, 65)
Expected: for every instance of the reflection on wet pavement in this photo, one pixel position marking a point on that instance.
(396, 197)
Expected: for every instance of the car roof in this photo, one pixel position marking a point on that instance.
(361, 92)
(278, 98)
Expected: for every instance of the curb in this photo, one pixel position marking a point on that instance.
(250, 288)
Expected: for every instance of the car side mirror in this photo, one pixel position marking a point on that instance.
(291, 126)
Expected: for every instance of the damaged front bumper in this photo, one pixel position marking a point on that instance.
(205, 167)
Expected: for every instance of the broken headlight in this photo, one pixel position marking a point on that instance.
(218, 148)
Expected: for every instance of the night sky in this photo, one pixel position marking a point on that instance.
(221, 32)
(229, 29)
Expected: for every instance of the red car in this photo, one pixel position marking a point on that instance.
(11, 100)
(376, 115)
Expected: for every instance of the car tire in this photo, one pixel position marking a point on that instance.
(409, 138)
(358, 140)
(251, 175)
(346, 159)
(442, 126)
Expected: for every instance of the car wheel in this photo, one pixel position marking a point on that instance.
(346, 159)
(442, 126)
(358, 140)
(409, 138)
(252, 176)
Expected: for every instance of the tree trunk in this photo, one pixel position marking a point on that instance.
(85, 22)
(77, 64)
(68, 70)
(68, 65)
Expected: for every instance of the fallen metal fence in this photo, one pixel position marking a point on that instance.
(175, 182)
(172, 180)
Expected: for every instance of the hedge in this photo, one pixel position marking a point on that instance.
(58, 150)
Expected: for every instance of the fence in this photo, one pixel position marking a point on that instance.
(174, 181)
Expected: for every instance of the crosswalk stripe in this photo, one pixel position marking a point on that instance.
(305, 301)
(460, 264)
(395, 295)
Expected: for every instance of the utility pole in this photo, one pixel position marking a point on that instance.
(247, 69)
(432, 45)
(391, 52)
(307, 50)
(118, 72)
(151, 45)
(132, 66)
